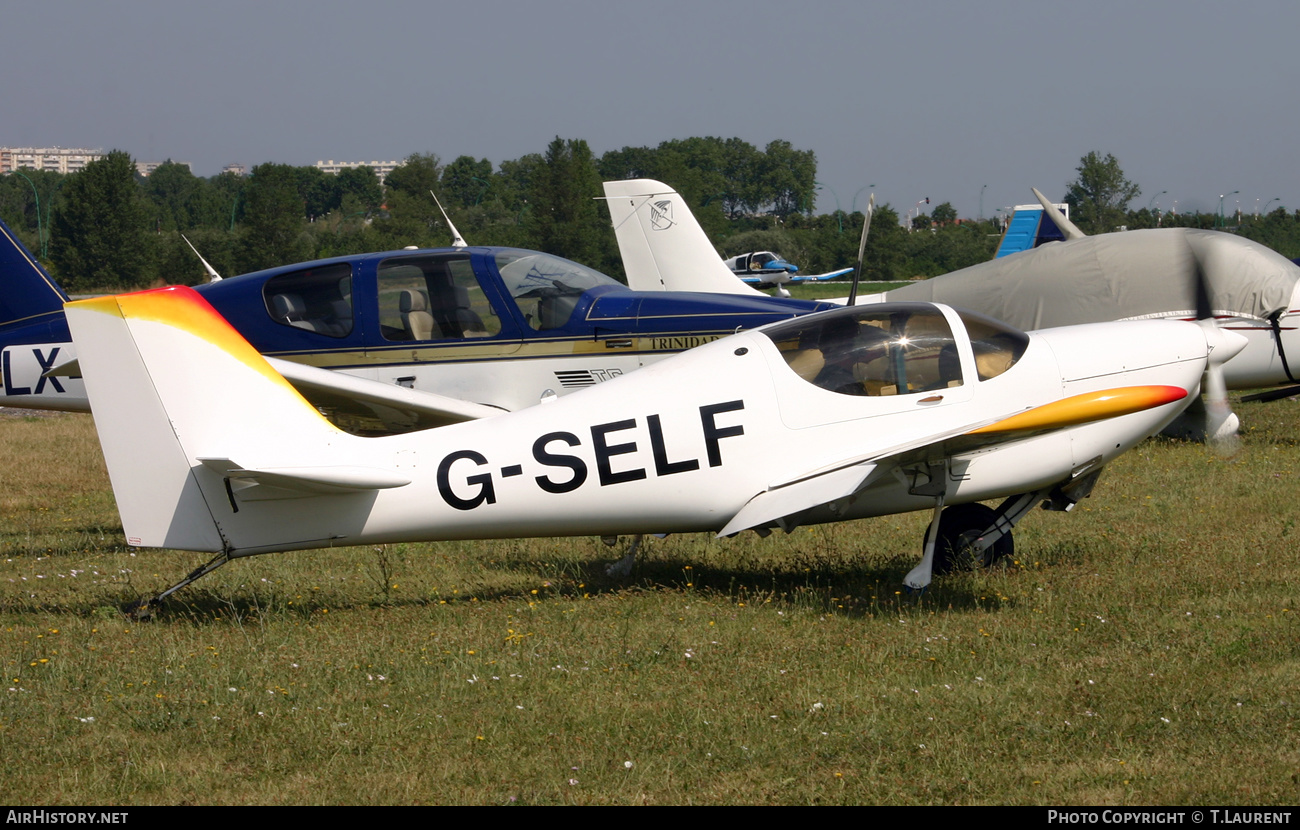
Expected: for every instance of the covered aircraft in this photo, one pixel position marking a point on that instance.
(1141, 275)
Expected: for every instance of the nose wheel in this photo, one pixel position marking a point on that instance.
(956, 546)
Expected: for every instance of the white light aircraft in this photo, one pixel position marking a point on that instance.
(836, 415)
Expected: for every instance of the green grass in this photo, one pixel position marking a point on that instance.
(1141, 650)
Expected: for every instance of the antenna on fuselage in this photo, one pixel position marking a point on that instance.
(213, 276)
(457, 241)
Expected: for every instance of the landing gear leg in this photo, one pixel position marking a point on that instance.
(146, 608)
(622, 569)
(920, 577)
(966, 536)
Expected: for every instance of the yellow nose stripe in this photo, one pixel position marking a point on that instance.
(1090, 406)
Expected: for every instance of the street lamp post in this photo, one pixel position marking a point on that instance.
(1151, 203)
(853, 207)
(982, 189)
(839, 212)
(485, 185)
(1223, 196)
(917, 208)
(44, 245)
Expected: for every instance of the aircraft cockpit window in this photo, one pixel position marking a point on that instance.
(317, 300)
(997, 346)
(901, 350)
(434, 297)
(547, 288)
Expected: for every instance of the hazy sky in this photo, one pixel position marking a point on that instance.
(922, 99)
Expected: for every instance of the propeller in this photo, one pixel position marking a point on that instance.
(1221, 422)
(862, 247)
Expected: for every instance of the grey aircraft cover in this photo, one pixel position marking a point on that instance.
(1118, 276)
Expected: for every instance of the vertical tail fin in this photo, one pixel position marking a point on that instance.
(662, 245)
(202, 436)
(28, 291)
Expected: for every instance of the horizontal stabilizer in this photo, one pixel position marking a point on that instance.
(309, 479)
(327, 387)
(400, 408)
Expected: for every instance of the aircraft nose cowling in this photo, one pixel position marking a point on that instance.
(1104, 349)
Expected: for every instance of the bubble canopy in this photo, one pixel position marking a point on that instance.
(894, 349)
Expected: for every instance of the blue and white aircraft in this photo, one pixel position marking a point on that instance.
(767, 270)
(415, 338)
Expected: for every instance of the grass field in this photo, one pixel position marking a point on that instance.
(1144, 649)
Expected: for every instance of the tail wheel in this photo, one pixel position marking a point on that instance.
(959, 528)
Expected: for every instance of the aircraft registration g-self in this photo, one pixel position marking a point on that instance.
(842, 414)
(416, 338)
(1134, 275)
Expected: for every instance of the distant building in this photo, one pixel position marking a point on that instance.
(49, 159)
(237, 169)
(381, 168)
(144, 168)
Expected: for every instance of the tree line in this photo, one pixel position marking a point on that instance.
(106, 227)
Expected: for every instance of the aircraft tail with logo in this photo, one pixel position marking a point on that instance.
(208, 447)
(662, 245)
(33, 332)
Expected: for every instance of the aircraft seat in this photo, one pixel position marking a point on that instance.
(554, 312)
(290, 309)
(416, 317)
(470, 324)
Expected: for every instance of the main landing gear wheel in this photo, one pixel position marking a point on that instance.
(959, 527)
